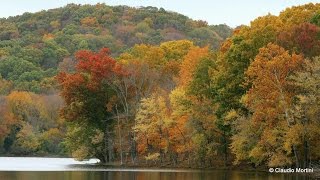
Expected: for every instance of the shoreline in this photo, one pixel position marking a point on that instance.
(97, 166)
(314, 174)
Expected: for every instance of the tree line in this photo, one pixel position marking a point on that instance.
(35, 47)
(255, 100)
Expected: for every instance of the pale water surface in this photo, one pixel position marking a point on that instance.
(13, 168)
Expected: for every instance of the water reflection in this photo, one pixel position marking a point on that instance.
(69, 169)
(131, 175)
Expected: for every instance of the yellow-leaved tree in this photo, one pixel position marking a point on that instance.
(270, 101)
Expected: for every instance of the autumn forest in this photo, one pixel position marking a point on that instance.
(149, 87)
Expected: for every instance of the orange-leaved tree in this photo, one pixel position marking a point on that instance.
(87, 93)
(269, 100)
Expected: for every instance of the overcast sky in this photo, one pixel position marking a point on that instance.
(230, 12)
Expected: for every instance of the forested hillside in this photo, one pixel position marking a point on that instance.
(181, 100)
(34, 47)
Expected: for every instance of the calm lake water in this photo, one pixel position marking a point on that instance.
(12, 168)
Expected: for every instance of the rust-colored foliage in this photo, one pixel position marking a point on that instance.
(271, 94)
(94, 72)
(189, 64)
(92, 68)
(303, 38)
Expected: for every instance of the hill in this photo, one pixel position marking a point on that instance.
(149, 100)
(33, 44)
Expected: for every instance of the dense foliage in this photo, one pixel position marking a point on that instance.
(34, 47)
(255, 100)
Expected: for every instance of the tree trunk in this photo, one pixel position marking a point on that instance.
(133, 149)
(306, 158)
(296, 155)
(225, 148)
(105, 150)
(120, 137)
(110, 149)
(288, 116)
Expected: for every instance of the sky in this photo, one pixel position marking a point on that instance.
(230, 12)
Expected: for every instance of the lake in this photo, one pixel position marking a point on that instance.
(13, 168)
